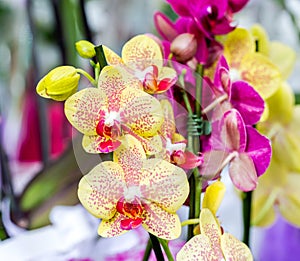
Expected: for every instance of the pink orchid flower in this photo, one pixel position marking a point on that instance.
(132, 190)
(247, 152)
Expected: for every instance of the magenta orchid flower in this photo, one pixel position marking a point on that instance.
(132, 190)
(237, 94)
(106, 113)
(243, 147)
(174, 145)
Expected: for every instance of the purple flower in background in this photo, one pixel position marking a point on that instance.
(247, 152)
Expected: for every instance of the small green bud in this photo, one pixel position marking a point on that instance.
(85, 49)
(59, 84)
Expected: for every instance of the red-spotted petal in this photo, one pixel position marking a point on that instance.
(142, 51)
(82, 109)
(198, 248)
(100, 190)
(167, 77)
(141, 112)
(112, 227)
(130, 156)
(235, 250)
(99, 144)
(168, 127)
(161, 223)
(164, 183)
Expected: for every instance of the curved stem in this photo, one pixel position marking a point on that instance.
(166, 248)
(247, 216)
(87, 75)
(147, 251)
(156, 247)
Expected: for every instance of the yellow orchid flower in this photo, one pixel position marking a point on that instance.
(283, 56)
(174, 145)
(248, 65)
(85, 49)
(212, 244)
(277, 191)
(131, 191)
(142, 57)
(59, 84)
(106, 113)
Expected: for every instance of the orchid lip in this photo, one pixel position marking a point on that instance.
(171, 147)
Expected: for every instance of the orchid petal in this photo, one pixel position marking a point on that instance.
(111, 57)
(284, 57)
(247, 101)
(242, 172)
(259, 149)
(113, 81)
(281, 104)
(261, 39)
(141, 112)
(82, 109)
(237, 5)
(164, 26)
(210, 227)
(191, 160)
(233, 131)
(111, 227)
(237, 44)
(168, 127)
(100, 190)
(261, 73)
(198, 248)
(289, 199)
(130, 156)
(212, 163)
(235, 250)
(180, 7)
(167, 77)
(167, 179)
(99, 144)
(161, 223)
(213, 196)
(142, 51)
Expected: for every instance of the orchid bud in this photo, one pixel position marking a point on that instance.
(184, 47)
(59, 84)
(85, 49)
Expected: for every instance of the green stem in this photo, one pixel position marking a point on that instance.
(147, 251)
(199, 81)
(100, 56)
(87, 75)
(166, 248)
(247, 216)
(156, 247)
(198, 190)
(187, 222)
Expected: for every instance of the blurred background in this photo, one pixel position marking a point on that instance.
(39, 171)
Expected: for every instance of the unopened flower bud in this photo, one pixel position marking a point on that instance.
(59, 84)
(184, 47)
(85, 49)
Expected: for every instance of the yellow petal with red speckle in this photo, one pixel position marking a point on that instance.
(161, 223)
(111, 57)
(130, 156)
(168, 127)
(111, 227)
(235, 250)
(142, 51)
(209, 226)
(237, 44)
(141, 112)
(261, 73)
(198, 248)
(100, 190)
(164, 183)
(82, 109)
